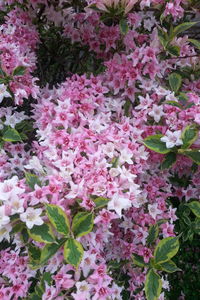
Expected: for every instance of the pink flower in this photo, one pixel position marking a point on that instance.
(146, 254)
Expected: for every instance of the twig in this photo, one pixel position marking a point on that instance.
(181, 57)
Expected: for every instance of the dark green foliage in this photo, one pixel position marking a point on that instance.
(58, 58)
(187, 281)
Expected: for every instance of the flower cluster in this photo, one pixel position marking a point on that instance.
(89, 173)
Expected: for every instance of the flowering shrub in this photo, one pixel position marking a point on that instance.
(100, 146)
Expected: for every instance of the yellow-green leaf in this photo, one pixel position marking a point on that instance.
(73, 252)
(163, 37)
(82, 223)
(42, 233)
(58, 218)
(168, 161)
(100, 202)
(34, 253)
(173, 50)
(123, 25)
(189, 136)
(153, 285)
(138, 261)
(154, 143)
(19, 71)
(175, 82)
(153, 234)
(195, 42)
(191, 153)
(166, 249)
(169, 266)
(11, 135)
(32, 180)
(182, 27)
(195, 208)
(49, 250)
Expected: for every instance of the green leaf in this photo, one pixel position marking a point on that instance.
(58, 218)
(73, 252)
(169, 160)
(49, 250)
(114, 162)
(35, 297)
(173, 50)
(154, 143)
(42, 233)
(166, 249)
(19, 71)
(39, 291)
(153, 234)
(196, 225)
(17, 228)
(138, 261)
(31, 180)
(191, 153)
(153, 285)
(127, 107)
(186, 220)
(11, 135)
(182, 27)
(100, 202)
(183, 97)
(195, 208)
(82, 223)
(189, 136)
(24, 235)
(2, 80)
(123, 26)
(175, 81)
(169, 266)
(186, 235)
(163, 37)
(173, 103)
(162, 221)
(34, 253)
(47, 276)
(195, 42)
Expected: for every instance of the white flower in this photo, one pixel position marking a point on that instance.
(126, 224)
(140, 200)
(75, 189)
(126, 156)
(172, 138)
(114, 172)
(32, 217)
(3, 92)
(4, 220)
(118, 203)
(126, 174)
(141, 153)
(109, 149)
(16, 205)
(34, 163)
(149, 23)
(165, 284)
(9, 188)
(144, 102)
(171, 97)
(88, 263)
(140, 235)
(153, 210)
(157, 112)
(11, 120)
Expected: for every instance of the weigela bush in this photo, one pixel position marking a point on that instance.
(94, 159)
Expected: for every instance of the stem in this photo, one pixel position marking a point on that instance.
(181, 57)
